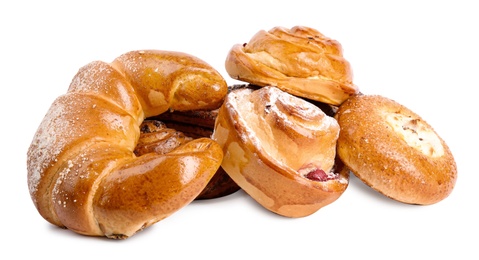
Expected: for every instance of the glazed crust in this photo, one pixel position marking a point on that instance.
(268, 138)
(82, 170)
(179, 128)
(394, 151)
(300, 61)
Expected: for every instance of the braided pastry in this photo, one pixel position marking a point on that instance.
(82, 171)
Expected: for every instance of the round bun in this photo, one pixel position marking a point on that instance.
(394, 151)
(281, 150)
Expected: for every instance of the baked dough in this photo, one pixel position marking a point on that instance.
(281, 150)
(177, 129)
(82, 172)
(300, 61)
(394, 150)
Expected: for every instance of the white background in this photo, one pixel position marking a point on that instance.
(423, 54)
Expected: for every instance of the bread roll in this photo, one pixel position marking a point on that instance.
(394, 150)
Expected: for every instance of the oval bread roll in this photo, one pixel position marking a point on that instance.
(394, 151)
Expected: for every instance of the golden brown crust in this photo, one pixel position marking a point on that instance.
(82, 171)
(165, 80)
(159, 137)
(151, 188)
(394, 151)
(156, 137)
(271, 141)
(300, 61)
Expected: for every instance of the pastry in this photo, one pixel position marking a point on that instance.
(281, 150)
(82, 171)
(177, 128)
(300, 61)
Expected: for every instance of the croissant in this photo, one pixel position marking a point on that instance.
(177, 128)
(82, 171)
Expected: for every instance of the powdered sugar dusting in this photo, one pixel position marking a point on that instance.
(70, 172)
(101, 78)
(46, 145)
(65, 125)
(61, 177)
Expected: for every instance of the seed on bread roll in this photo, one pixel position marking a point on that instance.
(281, 150)
(394, 150)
